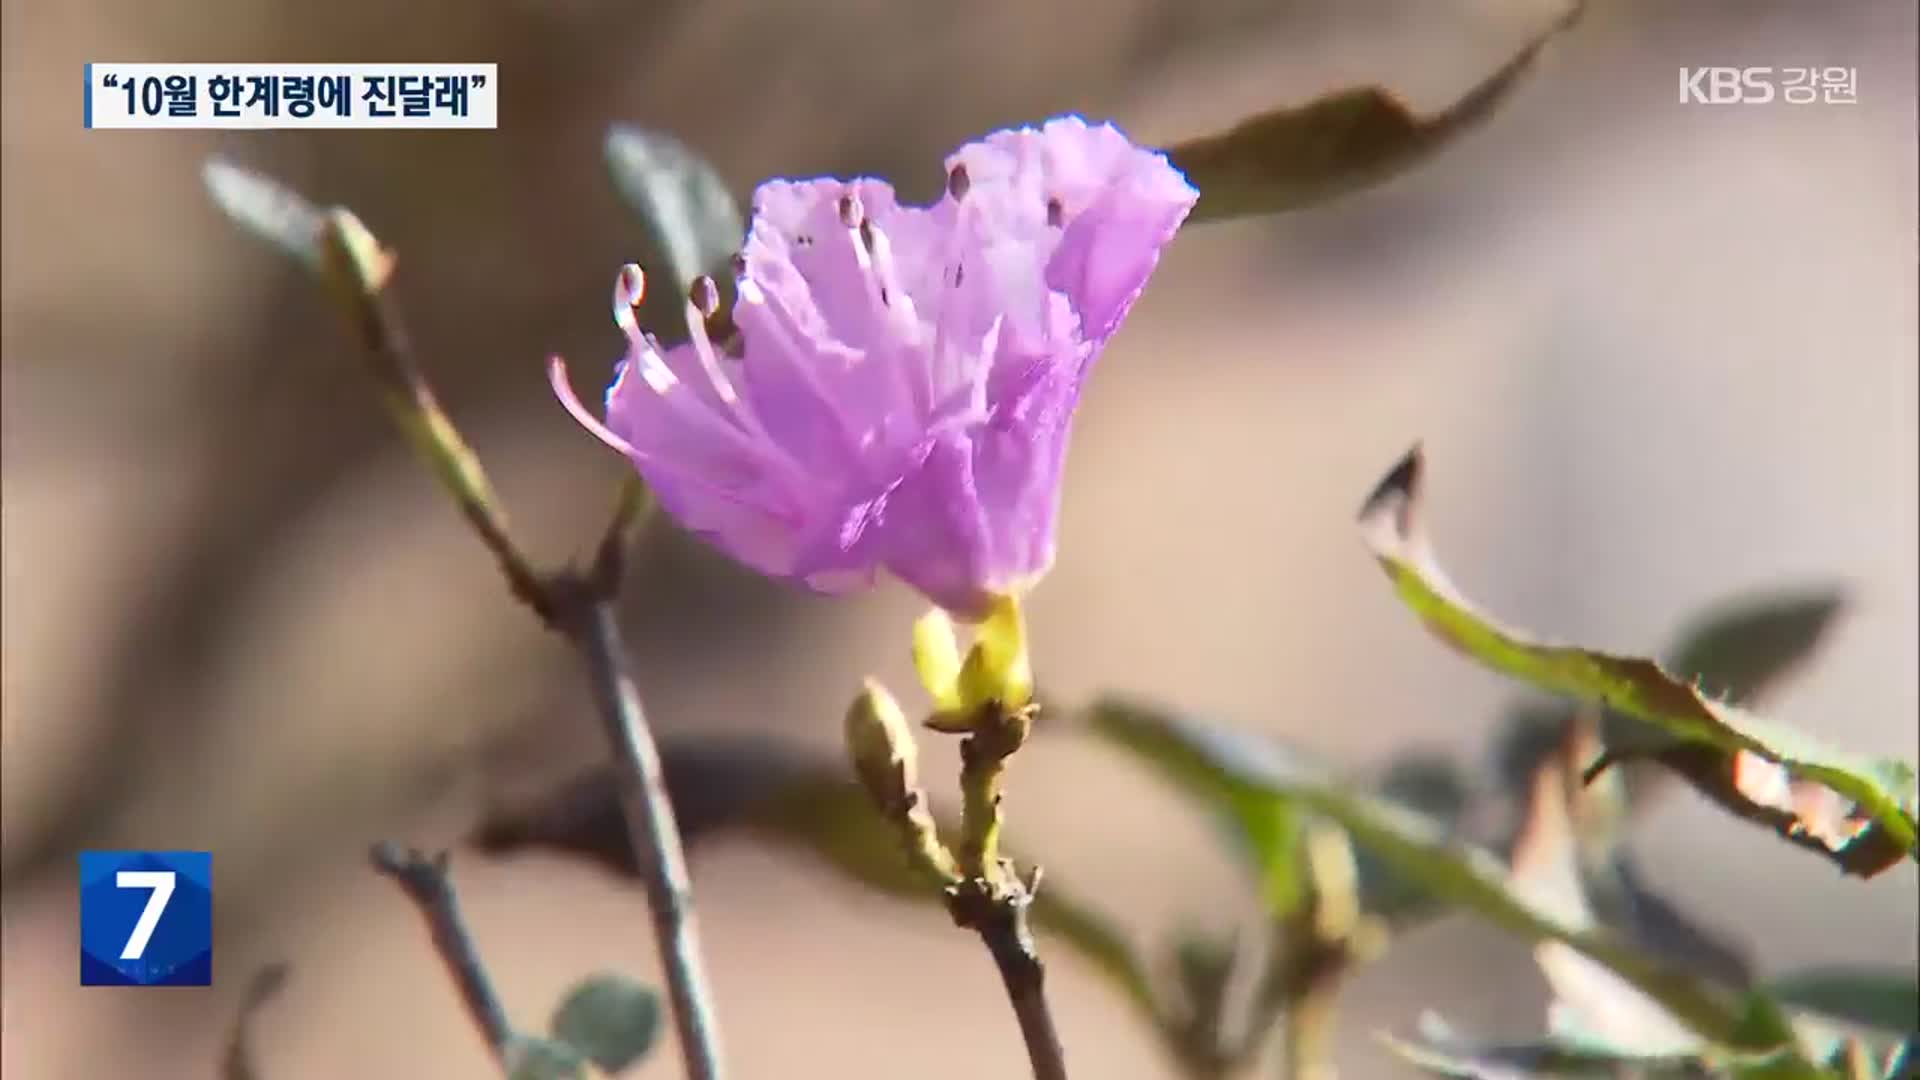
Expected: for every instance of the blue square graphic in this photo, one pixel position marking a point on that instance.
(146, 918)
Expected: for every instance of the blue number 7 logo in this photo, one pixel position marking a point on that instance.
(146, 918)
(161, 882)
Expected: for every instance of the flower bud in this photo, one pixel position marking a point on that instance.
(880, 744)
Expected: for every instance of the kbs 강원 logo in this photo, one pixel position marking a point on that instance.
(1760, 85)
(146, 918)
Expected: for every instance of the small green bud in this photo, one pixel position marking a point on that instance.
(880, 743)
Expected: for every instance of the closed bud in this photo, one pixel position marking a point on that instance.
(880, 743)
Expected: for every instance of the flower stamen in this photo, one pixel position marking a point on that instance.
(873, 256)
(703, 299)
(629, 289)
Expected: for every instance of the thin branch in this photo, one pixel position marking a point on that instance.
(578, 607)
(356, 267)
(631, 508)
(352, 264)
(584, 614)
(990, 899)
(424, 879)
(999, 916)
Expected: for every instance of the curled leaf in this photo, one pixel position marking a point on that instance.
(1346, 141)
(1739, 650)
(1859, 813)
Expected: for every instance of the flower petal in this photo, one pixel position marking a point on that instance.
(1112, 206)
(934, 531)
(1018, 456)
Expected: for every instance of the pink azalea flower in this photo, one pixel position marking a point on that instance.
(905, 378)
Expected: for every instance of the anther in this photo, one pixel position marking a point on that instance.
(629, 288)
(851, 212)
(632, 284)
(705, 296)
(1056, 213)
(738, 264)
(958, 182)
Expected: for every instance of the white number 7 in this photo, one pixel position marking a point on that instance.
(161, 882)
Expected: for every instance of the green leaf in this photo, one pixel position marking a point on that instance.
(691, 217)
(1766, 774)
(1434, 786)
(1883, 1001)
(1741, 649)
(532, 1058)
(1441, 1052)
(612, 1019)
(268, 209)
(1343, 142)
(1265, 830)
(1453, 870)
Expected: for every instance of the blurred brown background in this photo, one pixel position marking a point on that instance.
(1659, 354)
